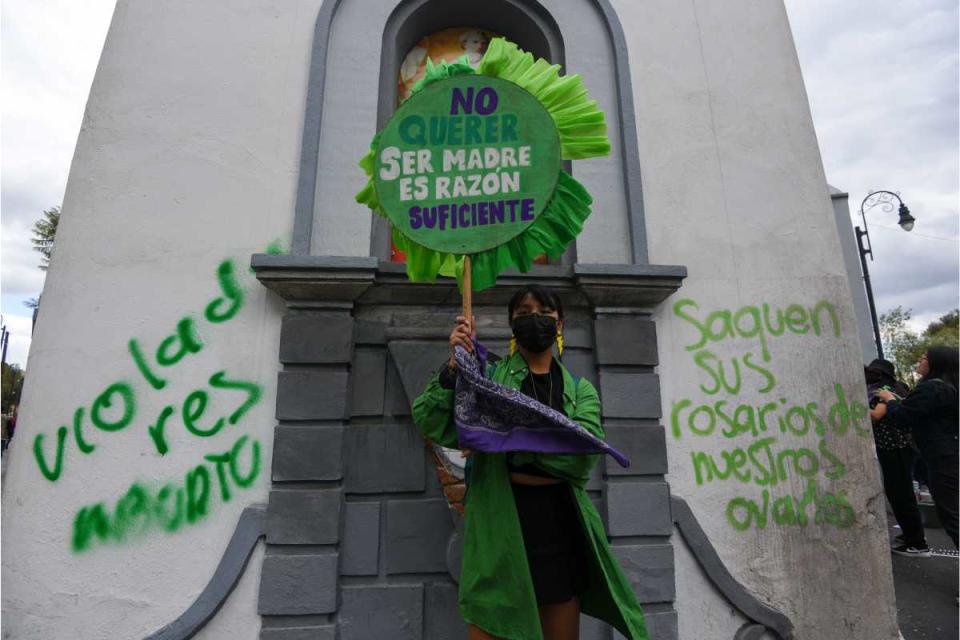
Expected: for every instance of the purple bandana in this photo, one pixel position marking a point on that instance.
(495, 419)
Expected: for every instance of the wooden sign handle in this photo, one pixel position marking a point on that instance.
(467, 312)
(467, 291)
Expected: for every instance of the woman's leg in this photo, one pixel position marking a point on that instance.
(897, 465)
(561, 621)
(942, 474)
(920, 471)
(476, 633)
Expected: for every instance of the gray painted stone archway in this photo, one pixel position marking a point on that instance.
(357, 528)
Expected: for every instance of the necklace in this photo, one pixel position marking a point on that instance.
(536, 396)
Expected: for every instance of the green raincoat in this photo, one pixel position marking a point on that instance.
(496, 590)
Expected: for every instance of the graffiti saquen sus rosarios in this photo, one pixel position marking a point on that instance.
(739, 404)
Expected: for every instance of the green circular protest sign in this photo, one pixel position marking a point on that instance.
(467, 163)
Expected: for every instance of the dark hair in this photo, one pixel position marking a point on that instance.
(943, 363)
(543, 295)
(880, 371)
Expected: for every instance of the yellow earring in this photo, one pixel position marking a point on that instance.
(560, 344)
(513, 345)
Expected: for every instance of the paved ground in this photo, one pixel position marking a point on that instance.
(927, 591)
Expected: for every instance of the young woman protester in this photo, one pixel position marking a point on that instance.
(896, 456)
(931, 413)
(535, 553)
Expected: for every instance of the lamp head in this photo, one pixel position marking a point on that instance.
(906, 220)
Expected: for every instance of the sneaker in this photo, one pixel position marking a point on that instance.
(910, 550)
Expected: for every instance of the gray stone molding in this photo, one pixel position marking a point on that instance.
(310, 140)
(321, 281)
(314, 280)
(324, 632)
(299, 590)
(361, 539)
(298, 584)
(304, 516)
(382, 611)
(628, 134)
(613, 287)
(750, 631)
(250, 527)
(762, 617)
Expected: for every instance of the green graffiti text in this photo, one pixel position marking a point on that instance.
(764, 464)
(781, 441)
(751, 321)
(757, 420)
(813, 506)
(142, 510)
(116, 407)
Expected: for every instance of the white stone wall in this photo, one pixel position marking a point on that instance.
(734, 189)
(188, 156)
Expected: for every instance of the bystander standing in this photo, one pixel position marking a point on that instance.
(896, 456)
(931, 413)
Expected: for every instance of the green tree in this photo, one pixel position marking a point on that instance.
(945, 330)
(903, 346)
(12, 385)
(899, 341)
(45, 235)
(939, 333)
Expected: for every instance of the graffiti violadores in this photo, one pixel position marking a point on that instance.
(116, 407)
(171, 506)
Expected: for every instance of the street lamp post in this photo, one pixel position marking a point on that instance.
(884, 200)
(4, 339)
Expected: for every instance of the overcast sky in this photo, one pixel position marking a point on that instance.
(881, 75)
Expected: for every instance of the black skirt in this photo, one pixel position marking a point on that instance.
(554, 541)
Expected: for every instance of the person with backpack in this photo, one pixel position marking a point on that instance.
(931, 414)
(896, 456)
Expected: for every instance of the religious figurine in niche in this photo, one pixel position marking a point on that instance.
(474, 44)
(411, 66)
(450, 45)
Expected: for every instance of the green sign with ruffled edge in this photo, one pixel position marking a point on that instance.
(466, 164)
(576, 121)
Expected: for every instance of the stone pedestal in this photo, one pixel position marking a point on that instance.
(360, 536)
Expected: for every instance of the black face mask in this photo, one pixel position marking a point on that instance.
(535, 333)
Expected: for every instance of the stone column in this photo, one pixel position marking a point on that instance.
(635, 500)
(306, 515)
